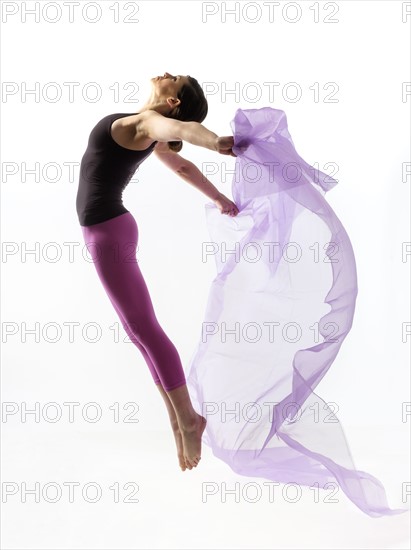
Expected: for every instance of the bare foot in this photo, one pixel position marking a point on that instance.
(191, 436)
(180, 448)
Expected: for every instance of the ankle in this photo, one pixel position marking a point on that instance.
(190, 423)
(174, 425)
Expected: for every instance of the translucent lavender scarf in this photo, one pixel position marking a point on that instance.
(278, 311)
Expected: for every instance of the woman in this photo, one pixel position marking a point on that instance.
(117, 145)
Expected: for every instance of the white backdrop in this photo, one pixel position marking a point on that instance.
(340, 73)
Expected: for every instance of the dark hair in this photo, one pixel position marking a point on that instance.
(193, 107)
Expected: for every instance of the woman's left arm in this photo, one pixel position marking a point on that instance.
(189, 172)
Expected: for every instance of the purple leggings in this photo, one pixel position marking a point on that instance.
(112, 245)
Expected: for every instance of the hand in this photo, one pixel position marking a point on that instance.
(225, 205)
(224, 145)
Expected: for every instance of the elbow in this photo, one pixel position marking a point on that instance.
(186, 129)
(183, 169)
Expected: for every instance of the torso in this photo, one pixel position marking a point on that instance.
(111, 158)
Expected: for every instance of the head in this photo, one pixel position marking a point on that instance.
(183, 98)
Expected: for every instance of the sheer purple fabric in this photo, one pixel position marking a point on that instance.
(278, 311)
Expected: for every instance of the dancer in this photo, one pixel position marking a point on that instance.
(117, 145)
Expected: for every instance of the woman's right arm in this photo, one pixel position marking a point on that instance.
(160, 128)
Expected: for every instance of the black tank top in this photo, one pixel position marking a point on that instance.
(105, 170)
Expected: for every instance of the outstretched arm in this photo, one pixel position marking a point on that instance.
(191, 174)
(160, 128)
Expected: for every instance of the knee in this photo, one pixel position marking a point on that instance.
(141, 329)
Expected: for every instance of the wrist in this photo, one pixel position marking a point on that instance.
(213, 146)
(217, 196)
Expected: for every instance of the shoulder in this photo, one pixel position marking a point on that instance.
(153, 125)
(149, 115)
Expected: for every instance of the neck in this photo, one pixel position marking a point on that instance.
(155, 103)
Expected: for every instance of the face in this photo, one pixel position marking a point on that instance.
(169, 85)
